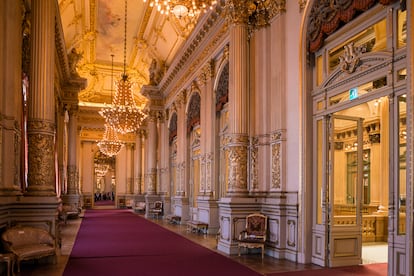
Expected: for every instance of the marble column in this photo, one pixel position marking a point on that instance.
(11, 105)
(72, 170)
(237, 139)
(130, 149)
(138, 162)
(151, 153)
(41, 105)
(207, 119)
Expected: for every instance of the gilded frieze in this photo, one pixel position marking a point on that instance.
(276, 166)
(237, 181)
(41, 160)
(209, 163)
(253, 163)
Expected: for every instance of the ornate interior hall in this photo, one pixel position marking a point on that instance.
(299, 110)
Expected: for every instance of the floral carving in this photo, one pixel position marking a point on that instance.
(276, 166)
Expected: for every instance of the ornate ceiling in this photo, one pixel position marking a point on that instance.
(94, 30)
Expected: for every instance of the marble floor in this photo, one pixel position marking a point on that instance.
(69, 231)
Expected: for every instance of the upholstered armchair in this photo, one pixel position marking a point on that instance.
(254, 235)
(156, 209)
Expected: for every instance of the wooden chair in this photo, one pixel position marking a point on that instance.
(254, 235)
(156, 209)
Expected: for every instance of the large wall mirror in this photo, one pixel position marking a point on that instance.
(104, 178)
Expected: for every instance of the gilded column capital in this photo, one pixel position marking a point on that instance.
(237, 11)
(181, 99)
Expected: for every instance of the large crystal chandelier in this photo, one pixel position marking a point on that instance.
(123, 115)
(182, 8)
(110, 145)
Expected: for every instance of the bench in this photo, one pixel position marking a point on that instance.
(197, 226)
(28, 243)
(173, 219)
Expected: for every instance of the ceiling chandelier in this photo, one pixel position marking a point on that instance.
(182, 8)
(123, 115)
(101, 169)
(110, 144)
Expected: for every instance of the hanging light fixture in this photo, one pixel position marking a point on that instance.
(182, 8)
(123, 115)
(110, 144)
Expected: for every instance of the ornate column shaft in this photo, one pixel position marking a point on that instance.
(10, 97)
(237, 140)
(138, 162)
(41, 107)
(130, 149)
(152, 141)
(164, 156)
(72, 169)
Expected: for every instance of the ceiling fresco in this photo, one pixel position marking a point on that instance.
(94, 30)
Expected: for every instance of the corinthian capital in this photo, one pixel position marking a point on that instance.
(237, 11)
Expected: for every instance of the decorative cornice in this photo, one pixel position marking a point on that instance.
(189, 52)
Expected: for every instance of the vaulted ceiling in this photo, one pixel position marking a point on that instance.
(95, 30)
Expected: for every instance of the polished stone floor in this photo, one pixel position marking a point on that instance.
(69, 231)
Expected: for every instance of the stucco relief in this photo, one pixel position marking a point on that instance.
(253, 163)
(151, 179)
(41, 174)
(276, 184)
(238, 169)
(73, 178)
(277, 138)
(209, 162)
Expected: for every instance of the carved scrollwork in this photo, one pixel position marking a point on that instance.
(276, 166)
(238, 169)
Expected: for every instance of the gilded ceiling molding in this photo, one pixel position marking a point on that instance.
(327, 16)
(196, 64)
(187, 53)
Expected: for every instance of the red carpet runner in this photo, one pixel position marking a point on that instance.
(117, 242)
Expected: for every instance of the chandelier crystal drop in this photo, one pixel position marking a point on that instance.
(110, 145)
(123, 115)
(182, 8)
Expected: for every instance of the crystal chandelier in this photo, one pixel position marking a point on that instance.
(101, 169)
(182, 8)
(123, 115)
(110, 144)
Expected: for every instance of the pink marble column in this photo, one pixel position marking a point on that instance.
(41, 106)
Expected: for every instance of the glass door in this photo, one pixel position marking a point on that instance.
(345, 190)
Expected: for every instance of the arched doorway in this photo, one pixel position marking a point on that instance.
(355, 105)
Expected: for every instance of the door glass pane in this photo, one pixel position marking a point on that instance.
(319, 171)
(402, 132)
(402, 29)
(345, 177)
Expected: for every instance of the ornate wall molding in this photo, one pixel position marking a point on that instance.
(41, 157)
(276, 140)
(237, 147)
(327, 16)
(254, 150)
